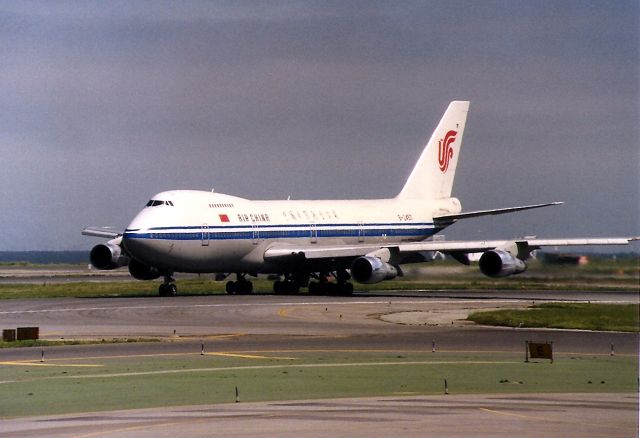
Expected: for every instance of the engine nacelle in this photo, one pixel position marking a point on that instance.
(499, 263)
(370, 270)
(141, 271)
(106, 256)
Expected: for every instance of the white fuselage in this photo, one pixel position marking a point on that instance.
(197, 231)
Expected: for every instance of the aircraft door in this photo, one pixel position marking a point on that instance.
(205, 235)
(361, 231)
(255, 234)
(314, 234)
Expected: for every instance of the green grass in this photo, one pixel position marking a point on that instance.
(599, 274)
(105, 289)
(56, 343)
(586, 316)
(203, 286)
(139, 381)
(16, 264)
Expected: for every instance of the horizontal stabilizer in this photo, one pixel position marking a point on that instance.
(449, 218)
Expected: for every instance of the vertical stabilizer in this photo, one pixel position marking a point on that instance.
(432, 176)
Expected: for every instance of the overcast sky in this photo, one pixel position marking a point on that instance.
(104, 104)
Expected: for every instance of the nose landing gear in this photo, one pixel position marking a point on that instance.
(168, 288)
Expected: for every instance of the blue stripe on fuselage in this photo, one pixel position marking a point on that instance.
(230, 232)
(308, 226)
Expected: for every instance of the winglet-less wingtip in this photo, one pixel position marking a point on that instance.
(104, 232)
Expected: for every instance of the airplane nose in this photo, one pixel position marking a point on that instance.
(133, 243)
(137, 238)
(143, 247)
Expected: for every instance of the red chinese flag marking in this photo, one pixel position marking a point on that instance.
(224, 218)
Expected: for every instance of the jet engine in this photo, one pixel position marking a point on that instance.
(140, 271)
(500, 263)
(106, 256)
(370, 270)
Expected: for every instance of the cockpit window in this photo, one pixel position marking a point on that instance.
(155, 202)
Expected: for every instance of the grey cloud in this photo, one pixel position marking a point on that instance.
(105, 105)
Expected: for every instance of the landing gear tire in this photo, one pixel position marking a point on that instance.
(168, 290)
(293, 288)
(320, 288)
(240, 287)
(286, 287)
(244, 287)
(345, 289)
(326, 288)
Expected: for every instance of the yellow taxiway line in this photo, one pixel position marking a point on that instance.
(250, 356)
(47, 364)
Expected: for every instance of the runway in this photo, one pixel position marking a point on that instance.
(408, 321)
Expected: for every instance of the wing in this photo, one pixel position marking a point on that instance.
(395, 253)
(530, 244)
(106, 232)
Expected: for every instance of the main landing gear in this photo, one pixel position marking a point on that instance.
(286, 287)
(327, 288)
(293, 282)
(340, 287)
(241, 287)
(168, 288)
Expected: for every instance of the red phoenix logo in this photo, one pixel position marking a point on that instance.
(445, 151)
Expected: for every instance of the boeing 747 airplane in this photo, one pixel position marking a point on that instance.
(316, 244)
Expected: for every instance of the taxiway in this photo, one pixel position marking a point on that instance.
(408, 321)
